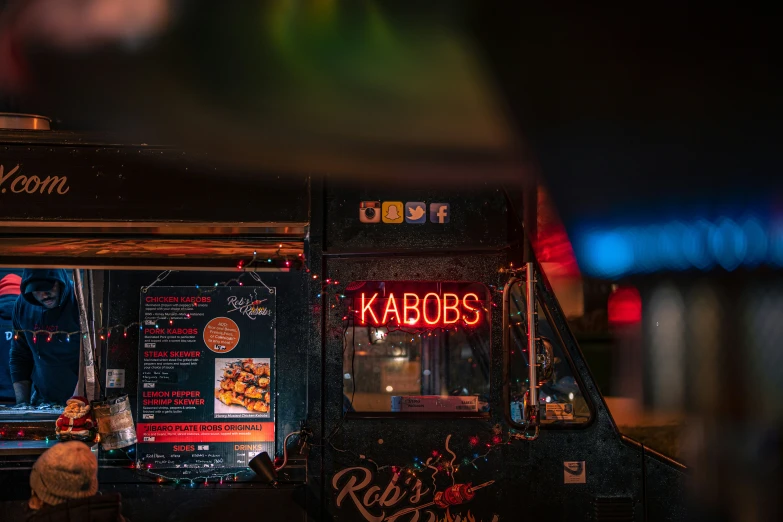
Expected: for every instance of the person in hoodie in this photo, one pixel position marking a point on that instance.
(9, 291)
(45, 367)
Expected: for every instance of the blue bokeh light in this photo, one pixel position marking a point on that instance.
(694, 246)
(775, 249)
(727, 243)
(676, 245)
(757, 243)
(671, 246)
(646, 247)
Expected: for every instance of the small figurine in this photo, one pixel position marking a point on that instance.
(76, 422)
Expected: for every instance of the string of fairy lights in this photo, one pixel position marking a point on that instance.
(436, 461)
(202, 476)
(245, 268)
(439, 462)
(106, 332)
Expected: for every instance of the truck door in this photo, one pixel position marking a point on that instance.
(577, 466)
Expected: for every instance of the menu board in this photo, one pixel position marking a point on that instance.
(206, 376)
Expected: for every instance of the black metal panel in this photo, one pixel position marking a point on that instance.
(314, 371)
(665, 489)
(140, 183)
(156, 503)
(153, 503)
(613, 509)
(478, 219)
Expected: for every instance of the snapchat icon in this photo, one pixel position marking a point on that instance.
(391, 212)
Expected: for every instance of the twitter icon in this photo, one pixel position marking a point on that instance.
(415, 212)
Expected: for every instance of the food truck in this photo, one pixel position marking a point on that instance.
(372, 339)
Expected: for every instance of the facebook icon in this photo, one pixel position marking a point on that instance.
(439, 213)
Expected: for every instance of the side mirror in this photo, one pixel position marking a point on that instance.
(545, 359)
(531, 415)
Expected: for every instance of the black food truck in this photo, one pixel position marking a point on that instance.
(282, 346)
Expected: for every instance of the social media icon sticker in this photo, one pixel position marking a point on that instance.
(370, 212)
(439, 213)
(415, 212)
(391, 212)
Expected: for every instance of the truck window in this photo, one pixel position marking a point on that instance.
(416, 347)
(39, 365)
(560, 396)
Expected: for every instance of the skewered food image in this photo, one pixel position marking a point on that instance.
(245, 383)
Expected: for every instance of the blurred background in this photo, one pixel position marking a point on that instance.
(652, 134)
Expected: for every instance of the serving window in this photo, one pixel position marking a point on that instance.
(191, 354)
(39, 348)
(416, 347)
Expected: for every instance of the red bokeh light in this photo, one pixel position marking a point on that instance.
(624, 306)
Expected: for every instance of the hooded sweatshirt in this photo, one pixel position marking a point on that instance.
(9, 291)
(52, 365)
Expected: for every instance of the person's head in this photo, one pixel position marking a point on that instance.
(47, 293)
(64, 472)
(44, 286)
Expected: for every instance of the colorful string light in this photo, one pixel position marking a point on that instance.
(439, 462)
(145, 468)
(105, 332)
(212, 478)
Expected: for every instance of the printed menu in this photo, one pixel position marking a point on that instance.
(206, 376)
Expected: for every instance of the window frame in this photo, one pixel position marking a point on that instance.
(449, 415)
(566, 349)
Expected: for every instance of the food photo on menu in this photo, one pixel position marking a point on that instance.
(243, 387)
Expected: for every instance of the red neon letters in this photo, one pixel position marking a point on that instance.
(432, 310)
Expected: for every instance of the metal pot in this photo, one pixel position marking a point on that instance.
(11, 120)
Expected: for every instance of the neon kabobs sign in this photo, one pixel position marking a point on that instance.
(418, 304)
(17, 183)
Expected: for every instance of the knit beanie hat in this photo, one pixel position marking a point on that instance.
(67, 470)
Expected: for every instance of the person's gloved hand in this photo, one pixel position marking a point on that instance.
(22, 391)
